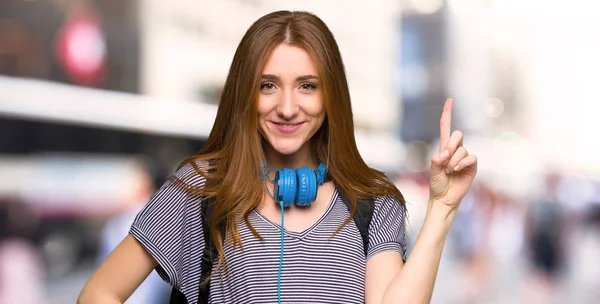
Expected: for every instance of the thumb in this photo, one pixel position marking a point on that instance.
(438, 162)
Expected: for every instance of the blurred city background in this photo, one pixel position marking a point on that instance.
(101, 99)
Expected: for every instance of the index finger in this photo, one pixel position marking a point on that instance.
(445, 123)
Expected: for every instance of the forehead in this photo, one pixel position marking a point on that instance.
(290, 60)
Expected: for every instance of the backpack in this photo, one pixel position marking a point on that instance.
(362, 218)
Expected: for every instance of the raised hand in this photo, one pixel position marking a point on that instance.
(452, 168)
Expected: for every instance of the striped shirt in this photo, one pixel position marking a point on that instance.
(316, 267)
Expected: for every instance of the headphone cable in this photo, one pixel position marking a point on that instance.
(280, 256)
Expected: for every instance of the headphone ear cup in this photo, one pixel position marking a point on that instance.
(287, 186)
(307, 186)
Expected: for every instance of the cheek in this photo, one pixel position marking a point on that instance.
(263, 106)
(315, 108)
(320, 120)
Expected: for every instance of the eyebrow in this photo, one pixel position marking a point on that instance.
(301, 78)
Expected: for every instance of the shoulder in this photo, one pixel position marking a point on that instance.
(387, 201)
(179, 195)
(388, 225)
(388, 210)
(191, 173)
(170, 225)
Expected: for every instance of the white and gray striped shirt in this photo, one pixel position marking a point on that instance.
(316, 269)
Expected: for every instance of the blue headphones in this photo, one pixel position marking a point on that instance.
(293, 187)
(297, 186)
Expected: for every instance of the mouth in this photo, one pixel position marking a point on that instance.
(287, 128)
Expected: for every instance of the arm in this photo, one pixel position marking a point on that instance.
(451, 174)
(156, 240)
(414, 284)
(119, 275)
(389, 280)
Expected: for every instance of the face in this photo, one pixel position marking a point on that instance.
(290, 102)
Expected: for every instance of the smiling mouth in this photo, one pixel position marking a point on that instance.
(287, 128)
(290, 125)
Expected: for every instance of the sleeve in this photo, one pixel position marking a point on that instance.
(170, 224)
(387, 230)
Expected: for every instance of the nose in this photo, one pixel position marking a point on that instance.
(287, 107)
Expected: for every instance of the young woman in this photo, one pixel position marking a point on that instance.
(289, 235)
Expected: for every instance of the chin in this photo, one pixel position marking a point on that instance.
(286, 147)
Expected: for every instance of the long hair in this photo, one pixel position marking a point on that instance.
(234, 151)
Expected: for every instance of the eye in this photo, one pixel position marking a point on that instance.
(308, 86)
(267, 86)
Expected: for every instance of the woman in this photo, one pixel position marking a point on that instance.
(286, 104)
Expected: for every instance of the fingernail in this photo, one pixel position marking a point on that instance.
(456, 168)
(444, 154)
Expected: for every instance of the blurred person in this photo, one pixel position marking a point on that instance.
(471, 242)
(21, 265)
(505, 241)
(242, 221)
(584, 246)
(153, 290)
(545, 232)
(488, 246)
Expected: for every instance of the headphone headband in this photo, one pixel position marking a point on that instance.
(297, 186)
(321, 173)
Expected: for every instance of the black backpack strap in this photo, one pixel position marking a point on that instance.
(362, 217)
(210, 252)
(177, 297)
(208, 255)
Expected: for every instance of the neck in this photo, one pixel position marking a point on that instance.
(302, 158)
